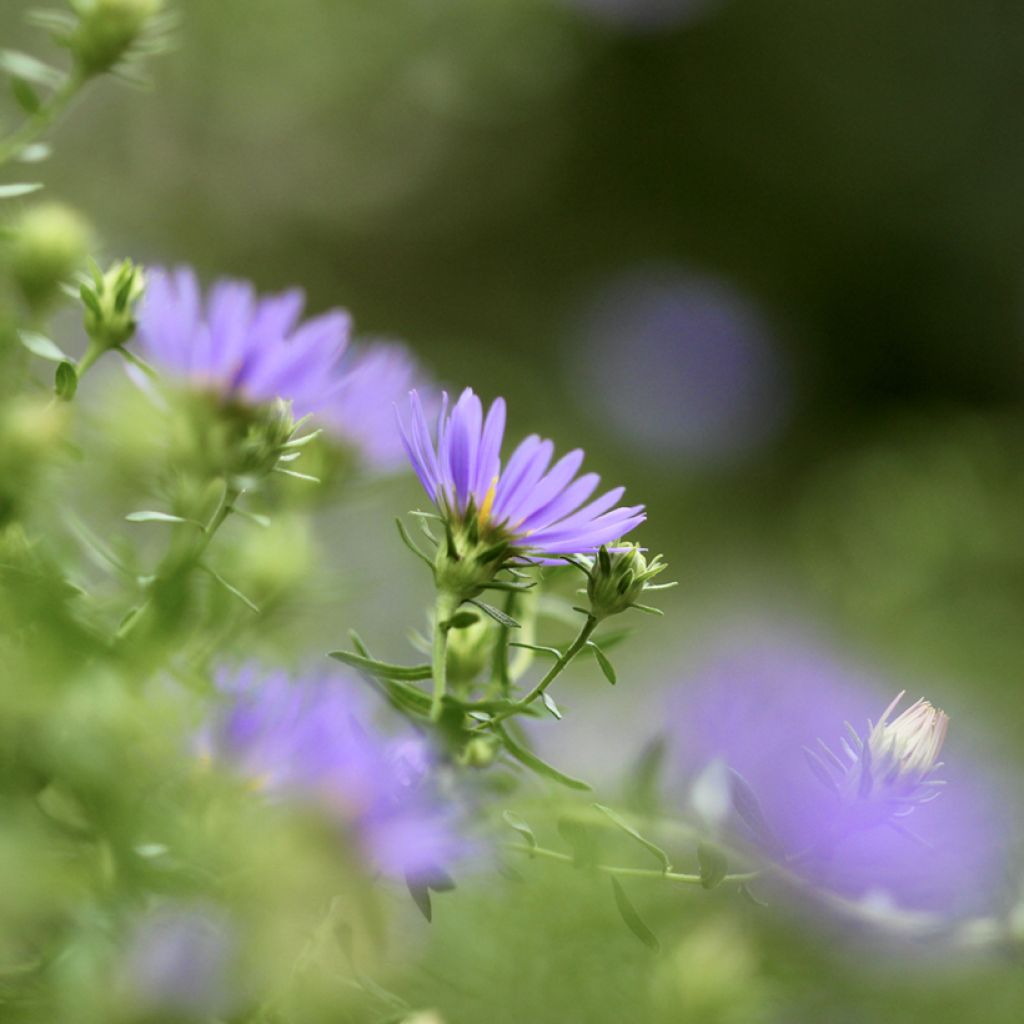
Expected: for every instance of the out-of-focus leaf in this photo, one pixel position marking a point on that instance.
(40, 345)
(19, 189)
(713, 865)
(533, 762)
(21, 65)
(580, 840)
(514, 821)
(65, 382)
(652, 848)
(634, 922)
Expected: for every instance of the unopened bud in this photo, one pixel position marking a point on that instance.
(107, 31)
(50, 242)
(618, 579)
(109, 301)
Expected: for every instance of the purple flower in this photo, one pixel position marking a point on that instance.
(841, 818)
(246, 348)
(360, 410)
(178, 959)
(538, 508)
(301, 739)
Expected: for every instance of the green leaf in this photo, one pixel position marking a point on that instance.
(90, 300)
(643, 778)
(549, 703)
(606, 666)
(26, 97)
(539, 648)
(382, 669)
(21, 65)
(421, 897)
(462, 620)
(35, 154)
(148, 516)
(411, 544)
(495, 613)
(231, 589)
(297, 475)
(534, 763)
(713, 865)
(65, 382)
(580, 840)
(21, 189)
(634, 922)
(748, 807)
(514, 821)
(652, 848)
(40, 345)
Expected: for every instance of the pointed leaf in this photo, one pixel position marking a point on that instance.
(713, 865)
(25, 96)
(496, 613)
(533, 762)
(19, 189)
(231, 589)
(421, 897)
(581, 841)
(148, 516)
(462, 620)
(606, 666)
(652, 848)
(549, 703)
(514, 821)
(40, 345)
(634, 922)
(381, 668)
(21, 65)
(748, 807)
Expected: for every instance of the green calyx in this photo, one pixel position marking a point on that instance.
(109, 300)
(618, 579)
(108, 30)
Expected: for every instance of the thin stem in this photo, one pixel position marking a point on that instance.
(174, 564)
(43, 118)
(625, 872)
(586, 630)
(444, 609)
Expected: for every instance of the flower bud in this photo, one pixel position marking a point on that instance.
(50, 242)
(107, 30)
(617, 579)
(109, 301)
(30, 432)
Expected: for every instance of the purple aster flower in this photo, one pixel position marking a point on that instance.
(841, 816)
(360, 409)
(301, 739)
(179, 960)
(536, 507)
(244, 347)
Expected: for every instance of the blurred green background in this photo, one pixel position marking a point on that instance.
(564, 206)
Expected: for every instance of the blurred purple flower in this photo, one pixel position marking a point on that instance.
(360, 411)
(539, 508)
(680, 364)
(247, 348)
(178, 960)
(301, 739)
(761, 705)
(254, 350)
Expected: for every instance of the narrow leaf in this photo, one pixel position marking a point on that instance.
(40, 345)
(411, 544)
(462, 620)
(298, 476)
(606, 666)
(381, 668)
(148, 516)
(549, 703)
(231, 589)
(21, 65)
(652, 848)
(580, 840)
(713, 865)
(421, 897)
(748, 807)
(514, 821)
(533, 762)
(20, 189)
(27, 98)
(634, 922)
(539, 648)
(496, 613)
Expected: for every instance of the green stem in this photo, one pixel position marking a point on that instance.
(586, 631)
(624, 872)
(175, 564)
(444, 609)
(43, 118)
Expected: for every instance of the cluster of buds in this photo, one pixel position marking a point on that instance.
(109, 301)
(619, 577)
(105, 33)
(890, 770)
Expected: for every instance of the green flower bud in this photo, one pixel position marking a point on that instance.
(50, 242)
(479, 752)
(107, 31)
(469, 650)
(31, 431)
(109, 301)
(618, 579)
